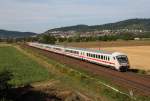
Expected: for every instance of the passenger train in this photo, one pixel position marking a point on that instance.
(116, 60)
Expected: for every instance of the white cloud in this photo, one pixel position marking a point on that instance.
(38, 15)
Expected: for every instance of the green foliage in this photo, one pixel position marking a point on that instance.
(24, 69)
(5, 86)
(14, 34)
(115, 95)
(139, 24)
(47, 39)
(5, 77)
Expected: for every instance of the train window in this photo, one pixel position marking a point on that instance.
(99, 56)
(96, 56)
(108, 59)
(102, 57)
(105, 57)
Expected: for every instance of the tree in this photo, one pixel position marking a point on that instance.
(5, 77)
(47, 39)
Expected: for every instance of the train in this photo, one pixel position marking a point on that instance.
(116, 60)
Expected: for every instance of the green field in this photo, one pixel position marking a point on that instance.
(24, 69)
(29, 66)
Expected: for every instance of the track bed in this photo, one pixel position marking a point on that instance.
(139, 84)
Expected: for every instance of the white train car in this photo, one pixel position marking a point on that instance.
(116, 60)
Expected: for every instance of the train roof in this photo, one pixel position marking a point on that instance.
(82, 49)
(90, 50)
(85, 49)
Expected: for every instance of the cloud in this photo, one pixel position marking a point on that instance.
(40, 15)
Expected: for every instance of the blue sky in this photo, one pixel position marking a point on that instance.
(41, 15)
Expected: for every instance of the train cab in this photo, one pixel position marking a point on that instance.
(121, 61)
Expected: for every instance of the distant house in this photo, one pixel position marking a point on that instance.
(136, 38)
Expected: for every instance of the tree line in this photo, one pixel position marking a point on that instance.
(49, 39)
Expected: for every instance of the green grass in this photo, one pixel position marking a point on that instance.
(24, 69)
(82, 80)
(78, 79)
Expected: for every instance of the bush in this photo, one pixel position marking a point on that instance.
(5, 77)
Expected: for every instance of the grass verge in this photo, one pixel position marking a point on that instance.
(25, 70)
(81, 80)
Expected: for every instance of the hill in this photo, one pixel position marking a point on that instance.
(15, 34)
(131, 24)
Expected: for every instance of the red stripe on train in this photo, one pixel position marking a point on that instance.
(82, 57)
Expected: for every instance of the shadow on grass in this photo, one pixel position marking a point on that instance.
(26, 93)
(134, 70)
(137, 71)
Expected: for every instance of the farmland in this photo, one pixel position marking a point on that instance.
(137, 51)
(30, 65)
(100, 44)
(24, 69)
(138, 55)
(45, 77)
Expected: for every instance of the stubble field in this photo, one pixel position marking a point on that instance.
(137, 51)
(139, 56)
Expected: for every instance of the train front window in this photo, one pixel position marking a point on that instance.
(122, 59)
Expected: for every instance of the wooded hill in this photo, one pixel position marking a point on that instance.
(15, 34)
(131, 24)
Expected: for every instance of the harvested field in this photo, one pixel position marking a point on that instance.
(107, 44)
(136, 50)
(139, 56)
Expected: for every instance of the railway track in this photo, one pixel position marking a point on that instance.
(139, 84)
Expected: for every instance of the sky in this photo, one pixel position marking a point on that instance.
(41, 15)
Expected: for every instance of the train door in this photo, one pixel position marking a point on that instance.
(82, 55)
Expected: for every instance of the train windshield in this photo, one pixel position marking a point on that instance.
(122, 59)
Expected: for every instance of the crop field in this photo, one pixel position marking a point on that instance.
(139, 56)
(30, 65)
(101, 44)
(24, 69)
(137, 51)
